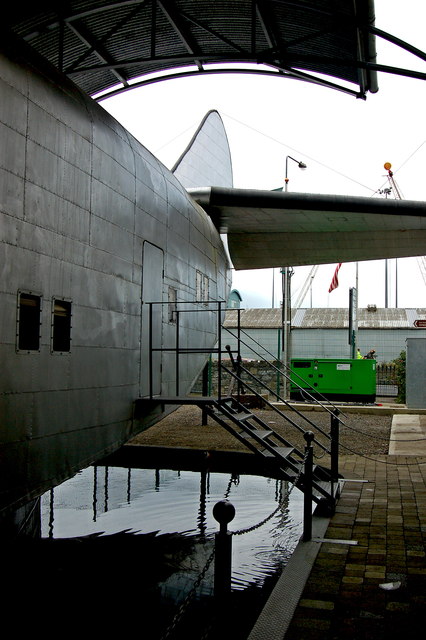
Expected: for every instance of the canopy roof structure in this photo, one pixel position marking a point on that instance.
(108, 46)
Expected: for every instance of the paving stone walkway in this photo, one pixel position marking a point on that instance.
(374, 589)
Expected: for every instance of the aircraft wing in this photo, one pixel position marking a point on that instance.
(273, 229)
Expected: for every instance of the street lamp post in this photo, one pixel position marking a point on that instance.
(299, 163)
(287, 272)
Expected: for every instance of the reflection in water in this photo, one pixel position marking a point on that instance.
(201, 520)
(142, 538)
(132, 544)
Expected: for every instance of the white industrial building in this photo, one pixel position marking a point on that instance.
(322, 333)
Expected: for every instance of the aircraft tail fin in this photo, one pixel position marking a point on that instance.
(206, 161)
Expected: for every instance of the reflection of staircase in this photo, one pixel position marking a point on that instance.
(262, 440)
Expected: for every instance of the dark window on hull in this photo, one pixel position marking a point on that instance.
(29, 317)
(61, 326)
(172, 305)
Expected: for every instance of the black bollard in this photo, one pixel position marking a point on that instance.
(223, 512)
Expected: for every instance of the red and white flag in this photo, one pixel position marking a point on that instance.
(335, 281)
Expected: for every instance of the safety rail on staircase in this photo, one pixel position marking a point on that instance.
(281, 369)
(179, 309)
(229, 411)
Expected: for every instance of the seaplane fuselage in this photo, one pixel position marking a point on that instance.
(93, 228)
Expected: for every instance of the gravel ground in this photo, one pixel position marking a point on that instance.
(360, 434)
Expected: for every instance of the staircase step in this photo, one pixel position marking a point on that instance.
(242, 416)
(279, 452)
(257, 433)
(245, 426)
(327, 486)
(234, 417)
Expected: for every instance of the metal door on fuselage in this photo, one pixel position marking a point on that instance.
(151, 324)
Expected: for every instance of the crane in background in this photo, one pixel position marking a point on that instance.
(307, 286)
(393, 187)
(421, 261)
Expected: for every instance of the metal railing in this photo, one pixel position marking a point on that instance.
(386, 380)
(245, 380)
(250, 381)
(180, 309)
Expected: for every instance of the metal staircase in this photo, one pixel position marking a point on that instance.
(231, 413)
(263, 441)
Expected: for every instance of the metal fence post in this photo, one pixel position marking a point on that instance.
(219, 354)
(177, 347)
(334, 445)
(150, 366)
(307, 487)
(205, 392)
(223, 512)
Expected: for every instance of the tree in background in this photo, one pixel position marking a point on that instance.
(400, 366)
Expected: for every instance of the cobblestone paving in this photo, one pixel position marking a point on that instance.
(375, 589)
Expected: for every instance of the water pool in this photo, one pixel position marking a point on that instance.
(167, 517)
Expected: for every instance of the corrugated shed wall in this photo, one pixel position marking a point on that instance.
(323, 333)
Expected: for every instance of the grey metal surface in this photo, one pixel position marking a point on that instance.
(105, 46)
(275, 229)
(81, 199)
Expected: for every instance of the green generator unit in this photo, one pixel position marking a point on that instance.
(334, 379)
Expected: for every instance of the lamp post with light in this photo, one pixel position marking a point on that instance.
(286, 273)
(299, 163)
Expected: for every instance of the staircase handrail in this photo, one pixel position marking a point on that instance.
(284, 374)
(276, 409)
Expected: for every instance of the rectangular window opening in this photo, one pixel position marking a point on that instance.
(172, 305)
(61, 326)
(29, 320)
(206, 292)
(202, 287)
(198, 286)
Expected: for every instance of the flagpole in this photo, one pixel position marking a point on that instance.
(386, 284)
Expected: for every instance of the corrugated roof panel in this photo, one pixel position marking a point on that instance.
(254, 318)
(325, 318)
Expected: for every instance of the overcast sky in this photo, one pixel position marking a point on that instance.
(344, 142)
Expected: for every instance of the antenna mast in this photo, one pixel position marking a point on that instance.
(393, 187)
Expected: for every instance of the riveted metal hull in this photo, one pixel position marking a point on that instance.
(83, 207)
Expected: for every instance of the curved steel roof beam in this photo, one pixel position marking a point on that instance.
(175, 19)
(95, 47)
(394, 40)
(280, 73)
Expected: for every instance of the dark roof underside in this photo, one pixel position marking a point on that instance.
(104, 46)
